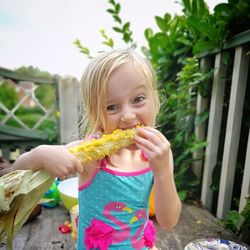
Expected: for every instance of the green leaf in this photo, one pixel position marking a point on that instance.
(109, 43)
(167, 18)
(183, 194)
(126, 27)
(127, 37)
(110, 11)
(117, 19)
(148, 33)
(194, 8)
(111, 2)
(202, 45)
(161, 23)
(199, 145)
(187, 6)
(117, 8)
(82, 48)
(183, 50)
(185, 41)
(200, 118)
(117, 29)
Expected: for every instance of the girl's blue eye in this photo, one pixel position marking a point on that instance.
(139, 99)
(112, 108)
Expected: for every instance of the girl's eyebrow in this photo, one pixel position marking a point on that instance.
(139, 87)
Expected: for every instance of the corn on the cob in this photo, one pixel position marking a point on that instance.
(107, 145)
(20, 191)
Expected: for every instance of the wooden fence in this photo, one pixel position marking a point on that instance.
(229, 94)
(16, 135)
(15, 140)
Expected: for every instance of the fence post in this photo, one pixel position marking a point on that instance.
(69, 108)
(237, 95)
(200, 130)
(214, 123)
(245, 188)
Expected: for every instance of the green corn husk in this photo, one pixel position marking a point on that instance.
(20, 191)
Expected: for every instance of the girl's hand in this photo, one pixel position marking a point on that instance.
(166, 199)
(56, 159)
(157, 148)
(5, 166)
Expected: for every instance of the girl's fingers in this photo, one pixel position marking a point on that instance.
(152, 142)
(145, 142)
(151, 133)
(78, 166)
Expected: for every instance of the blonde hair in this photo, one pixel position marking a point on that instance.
(95, 80)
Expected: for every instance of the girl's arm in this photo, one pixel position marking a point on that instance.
(55, 159)
(157, 148)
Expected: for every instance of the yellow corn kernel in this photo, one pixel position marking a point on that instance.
(108, 144)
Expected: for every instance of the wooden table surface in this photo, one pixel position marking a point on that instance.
(43, 233)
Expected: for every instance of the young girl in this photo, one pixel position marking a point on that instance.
(118, 90)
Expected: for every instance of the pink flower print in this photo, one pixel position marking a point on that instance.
(98, 235)
(149, 234)
(101, 235)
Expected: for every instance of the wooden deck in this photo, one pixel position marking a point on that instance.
(43, 233)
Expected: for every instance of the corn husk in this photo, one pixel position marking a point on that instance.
(20, 191)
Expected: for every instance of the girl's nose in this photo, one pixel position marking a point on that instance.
(127, 115)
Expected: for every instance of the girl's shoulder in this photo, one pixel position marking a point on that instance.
(74, 143)
(88, 174)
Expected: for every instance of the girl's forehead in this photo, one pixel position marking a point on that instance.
(126, 73)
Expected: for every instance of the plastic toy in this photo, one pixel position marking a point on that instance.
(65, 228)
(52, 198)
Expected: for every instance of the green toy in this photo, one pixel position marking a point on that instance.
(52, 198)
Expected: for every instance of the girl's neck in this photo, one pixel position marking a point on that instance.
(127, 160)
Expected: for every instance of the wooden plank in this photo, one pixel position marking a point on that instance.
(9, 132)
(42, 233)
(200, 130)
(10, 74)
(234, 41)
(238, 89)
(214, 123)
(69, 109)
(5, 152)
(245, 188)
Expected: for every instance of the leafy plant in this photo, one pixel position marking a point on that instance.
(177, 116)
(34, 71)
(239, 223)
(107, 40)
(122, 28)
(233, 17)
(8, 95)
(232, 221)
(83, 49)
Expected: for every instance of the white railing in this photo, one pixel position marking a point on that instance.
(240, 45)
(23, 116)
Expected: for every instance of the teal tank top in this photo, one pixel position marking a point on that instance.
(113, 211)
